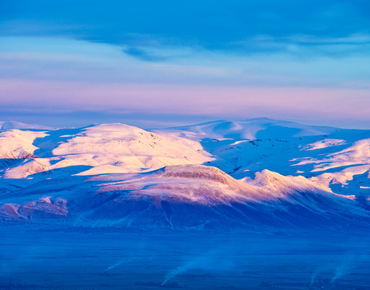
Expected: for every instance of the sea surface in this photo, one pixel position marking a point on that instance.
(36, 258)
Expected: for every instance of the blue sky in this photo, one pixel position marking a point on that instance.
(159, 63)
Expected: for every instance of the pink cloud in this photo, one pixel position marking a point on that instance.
(238, 101)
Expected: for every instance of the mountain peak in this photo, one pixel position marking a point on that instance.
(192, 171)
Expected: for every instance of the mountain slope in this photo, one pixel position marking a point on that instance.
(107, 148)
(182, 197)
(17, 144)
(335, 157)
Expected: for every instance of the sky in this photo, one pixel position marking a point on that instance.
(167, 63)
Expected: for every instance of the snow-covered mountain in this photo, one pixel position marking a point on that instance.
(183, 197)
(332, 156)
(6, 125)
(260, 128)
(252, 174)
(107, 148)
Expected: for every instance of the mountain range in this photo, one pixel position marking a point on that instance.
(257, 174)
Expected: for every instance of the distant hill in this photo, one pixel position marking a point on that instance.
(6, 125)
(260, 128)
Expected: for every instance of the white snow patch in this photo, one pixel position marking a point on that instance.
(324, 144)
(17, 144)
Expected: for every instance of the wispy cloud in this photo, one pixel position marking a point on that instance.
(281, 63)
(141, 54)
(48, 73)
(307, 46)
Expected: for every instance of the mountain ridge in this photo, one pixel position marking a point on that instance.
(115, 175)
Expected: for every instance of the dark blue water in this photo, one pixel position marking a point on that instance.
(34, 259)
